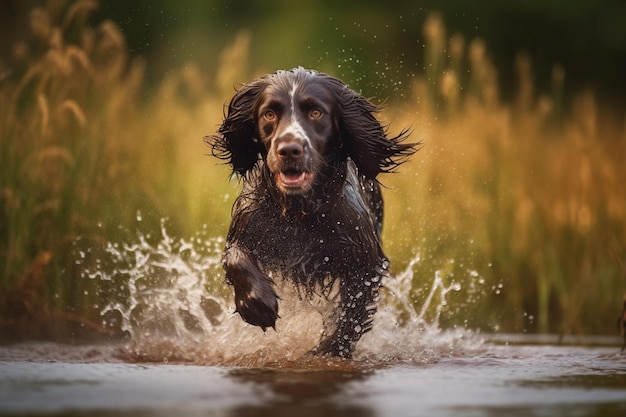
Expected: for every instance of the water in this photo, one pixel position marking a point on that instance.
(513, 380)
(168, 296)
(186, 354)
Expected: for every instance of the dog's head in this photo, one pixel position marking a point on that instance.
(299, 121)
(297, 126)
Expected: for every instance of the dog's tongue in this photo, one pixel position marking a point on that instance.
(290, 178)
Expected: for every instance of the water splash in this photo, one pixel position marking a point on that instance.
(168, 295)
(406, 332)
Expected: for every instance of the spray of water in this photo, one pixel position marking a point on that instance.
(169, 297)
(410, 333)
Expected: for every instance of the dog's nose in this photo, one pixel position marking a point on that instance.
(290, 150)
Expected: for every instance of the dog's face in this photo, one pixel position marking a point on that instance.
(301, 122)
(296, 123)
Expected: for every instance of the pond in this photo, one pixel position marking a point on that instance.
(488, 378)
(185, 353)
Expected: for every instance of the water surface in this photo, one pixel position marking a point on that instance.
(490, 380)
(186, 353)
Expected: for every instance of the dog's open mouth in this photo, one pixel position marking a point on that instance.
(294, 180)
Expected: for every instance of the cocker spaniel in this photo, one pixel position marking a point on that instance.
(308, 150)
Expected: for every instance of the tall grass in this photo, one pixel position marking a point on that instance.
(520, 202)
(528, 198)
(84, 151)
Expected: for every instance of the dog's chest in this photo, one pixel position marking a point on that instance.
(316, 245)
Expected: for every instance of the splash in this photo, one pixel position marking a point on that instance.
(409, 333)
(169, 297)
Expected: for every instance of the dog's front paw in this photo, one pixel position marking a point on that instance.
(257, 304)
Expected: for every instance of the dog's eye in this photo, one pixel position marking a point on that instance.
(269, 115)
(316, 114)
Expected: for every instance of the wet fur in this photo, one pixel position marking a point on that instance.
(326, 232)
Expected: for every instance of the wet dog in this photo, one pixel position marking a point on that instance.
(309, 150)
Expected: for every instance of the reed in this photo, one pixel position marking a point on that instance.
(518, 202)
(517, 194)
(83, 150)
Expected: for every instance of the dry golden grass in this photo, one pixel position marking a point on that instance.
(529, 199)
(518, 202)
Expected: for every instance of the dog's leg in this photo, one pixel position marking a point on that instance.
(359, 297)
(255, 298)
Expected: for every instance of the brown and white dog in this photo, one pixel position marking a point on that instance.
(308, 149)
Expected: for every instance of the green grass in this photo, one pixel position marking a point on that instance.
(521, 203)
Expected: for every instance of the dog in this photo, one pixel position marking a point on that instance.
(308, 150)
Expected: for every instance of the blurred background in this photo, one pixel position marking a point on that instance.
(518, 193)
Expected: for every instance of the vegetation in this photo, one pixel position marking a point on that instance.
(521, 202)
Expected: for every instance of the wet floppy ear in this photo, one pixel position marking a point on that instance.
(235, 141)
(365, 140)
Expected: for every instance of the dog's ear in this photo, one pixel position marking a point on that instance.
(363, 137)
(235, 141)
